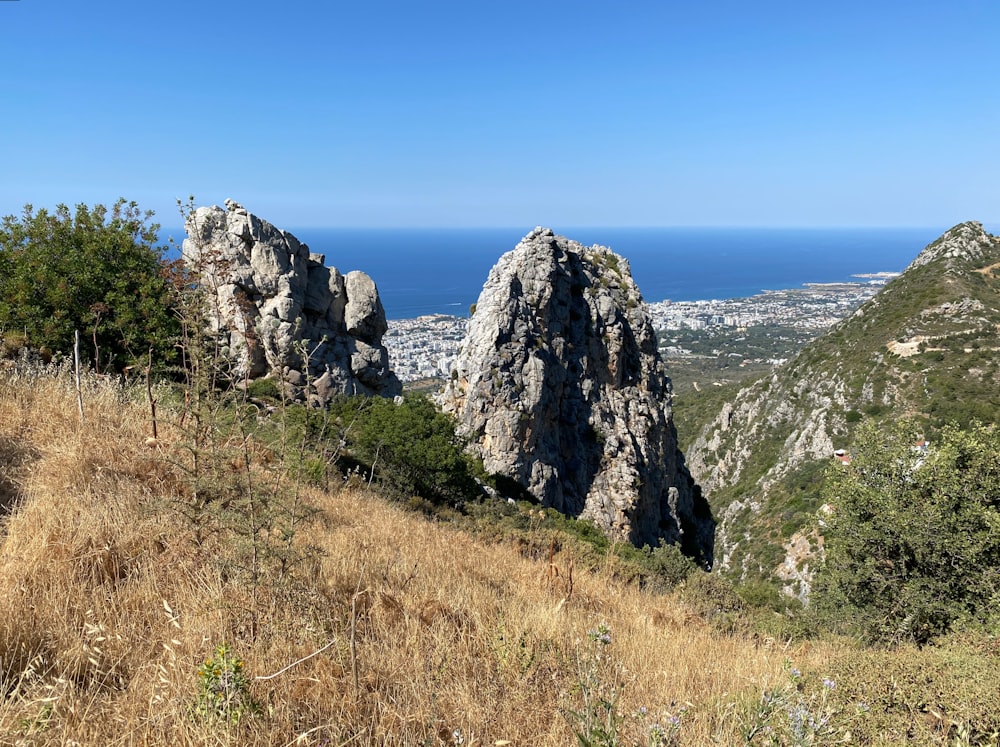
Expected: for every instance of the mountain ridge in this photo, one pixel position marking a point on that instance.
(927, 337)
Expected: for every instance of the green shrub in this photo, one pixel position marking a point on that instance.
(223, 689)
(94, 270)
(763, 595)
(913, 544)
(669, 564)
(264, 389)
(410, 447)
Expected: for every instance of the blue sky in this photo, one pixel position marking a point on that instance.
(440, 113)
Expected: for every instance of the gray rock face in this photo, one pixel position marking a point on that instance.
(967, 241)
(282, 313)
(561, 388)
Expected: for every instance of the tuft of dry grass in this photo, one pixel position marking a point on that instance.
(398, 631)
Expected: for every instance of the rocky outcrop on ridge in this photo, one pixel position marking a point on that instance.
(560, 387)
(965, 243)
(283, 313)
(924, 346)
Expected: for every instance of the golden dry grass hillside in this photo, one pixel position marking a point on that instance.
(133, 614)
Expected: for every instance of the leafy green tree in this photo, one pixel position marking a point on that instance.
(96, 270)
(913, 542)
(411, 447)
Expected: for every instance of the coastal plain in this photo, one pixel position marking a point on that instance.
(423, 349)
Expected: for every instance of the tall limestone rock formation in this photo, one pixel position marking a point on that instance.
(271, 300)
(560, 387)
(925, 347)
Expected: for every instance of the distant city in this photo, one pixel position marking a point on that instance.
(426, 347)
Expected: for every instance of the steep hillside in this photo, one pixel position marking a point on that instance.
(926, 346)
(118, 588)
(137, 610)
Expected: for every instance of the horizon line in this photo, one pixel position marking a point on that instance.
(619, 227)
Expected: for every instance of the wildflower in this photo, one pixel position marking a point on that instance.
(828, 683)
(457, 737)
(798, 718)
(795, 673)
(601, 635)
(643, 710)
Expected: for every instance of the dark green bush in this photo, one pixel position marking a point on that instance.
(669, 564)
(410, 446)
(763, 595)
(94, 270)
(264, 389)
(913, 544)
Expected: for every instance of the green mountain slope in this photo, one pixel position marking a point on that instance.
(925, 347)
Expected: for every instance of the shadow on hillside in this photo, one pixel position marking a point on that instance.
(698, 541)
(13, 456)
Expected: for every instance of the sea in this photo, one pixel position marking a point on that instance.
(422, 271)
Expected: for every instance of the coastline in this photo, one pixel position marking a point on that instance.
(425, 271)
(425, 346)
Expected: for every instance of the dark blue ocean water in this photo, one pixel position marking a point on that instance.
(425, 271)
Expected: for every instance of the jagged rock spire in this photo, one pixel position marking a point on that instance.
(560, 387)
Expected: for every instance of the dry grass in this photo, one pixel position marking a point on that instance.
(109, 605)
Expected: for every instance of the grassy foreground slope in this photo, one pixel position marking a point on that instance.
(387, 629)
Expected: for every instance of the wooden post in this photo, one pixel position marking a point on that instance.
(76, 368)
(149, 393)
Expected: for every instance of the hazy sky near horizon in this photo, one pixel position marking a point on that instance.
(443, 113)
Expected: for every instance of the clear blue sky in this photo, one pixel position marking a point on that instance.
(440, 113)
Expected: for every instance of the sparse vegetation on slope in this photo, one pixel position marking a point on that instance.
(925, 346)
(123, 621)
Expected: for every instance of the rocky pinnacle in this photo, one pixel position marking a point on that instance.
(560, 388)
